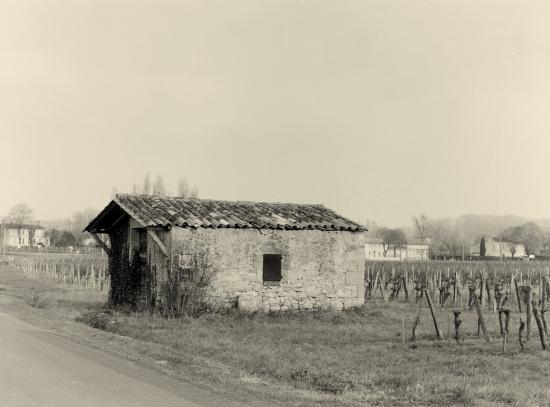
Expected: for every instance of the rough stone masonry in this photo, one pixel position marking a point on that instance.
(319, 269)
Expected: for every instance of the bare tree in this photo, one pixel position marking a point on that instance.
(447, 241)
(529, 235)
(183, 188)
(513, 248)
(194, 192)
(421, 225)
(371, 226)
(391, 238)
(79, 221)
(158, 187)
(147, 184)
(20, 214)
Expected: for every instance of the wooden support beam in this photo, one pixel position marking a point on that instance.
(481, 320)
(102, 244)
(430, 305)
(157, 240)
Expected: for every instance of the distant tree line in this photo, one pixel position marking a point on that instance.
(450, 237)
(70, 232)
(157, 187)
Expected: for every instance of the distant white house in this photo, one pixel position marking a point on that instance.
(89, 242)
(375, 249)
(496, 248)
(26, 235)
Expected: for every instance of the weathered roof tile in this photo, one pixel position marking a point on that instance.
(152, 210)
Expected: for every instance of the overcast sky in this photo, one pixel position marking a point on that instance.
(377, 109)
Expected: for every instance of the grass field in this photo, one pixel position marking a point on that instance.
(314, 359)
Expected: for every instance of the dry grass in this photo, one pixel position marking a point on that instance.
(313, 359)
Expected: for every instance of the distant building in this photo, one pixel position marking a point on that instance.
(89, 242)
(24, 236)
(375, 249)
(496, 248)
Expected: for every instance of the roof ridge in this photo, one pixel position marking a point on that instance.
(179, 198)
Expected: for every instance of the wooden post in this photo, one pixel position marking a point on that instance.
(529, 311)
(458, 322)
(518, 297)
(482, 290)
(415, 325)
(402, 329)
(542, 335)
(455, 287)
(501, 322)
(520, 335)
(542, 292)
(405, 287)
(481, 319)
(430, 304)
(490, 296)
(449, 330)
(375, 283)
(540, 284)
(507, 321)
(382, 292)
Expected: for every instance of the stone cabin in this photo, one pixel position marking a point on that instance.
(267, 256)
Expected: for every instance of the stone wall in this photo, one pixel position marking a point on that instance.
(320, 270)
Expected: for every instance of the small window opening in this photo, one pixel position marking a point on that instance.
(272, 267)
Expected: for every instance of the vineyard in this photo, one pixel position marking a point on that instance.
(487, 290)
(497, 288)
(86, 270)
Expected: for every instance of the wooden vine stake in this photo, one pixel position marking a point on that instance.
(430, 304)
(517, 294)
(481, 319)
(482, 290)
(458, 322)
(382, 291)
(415, 325)
(402, 329)
(542, 335)
(529, 311)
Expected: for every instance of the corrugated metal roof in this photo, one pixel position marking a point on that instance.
(151, 210)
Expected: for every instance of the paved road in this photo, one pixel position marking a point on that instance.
(38, 368)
